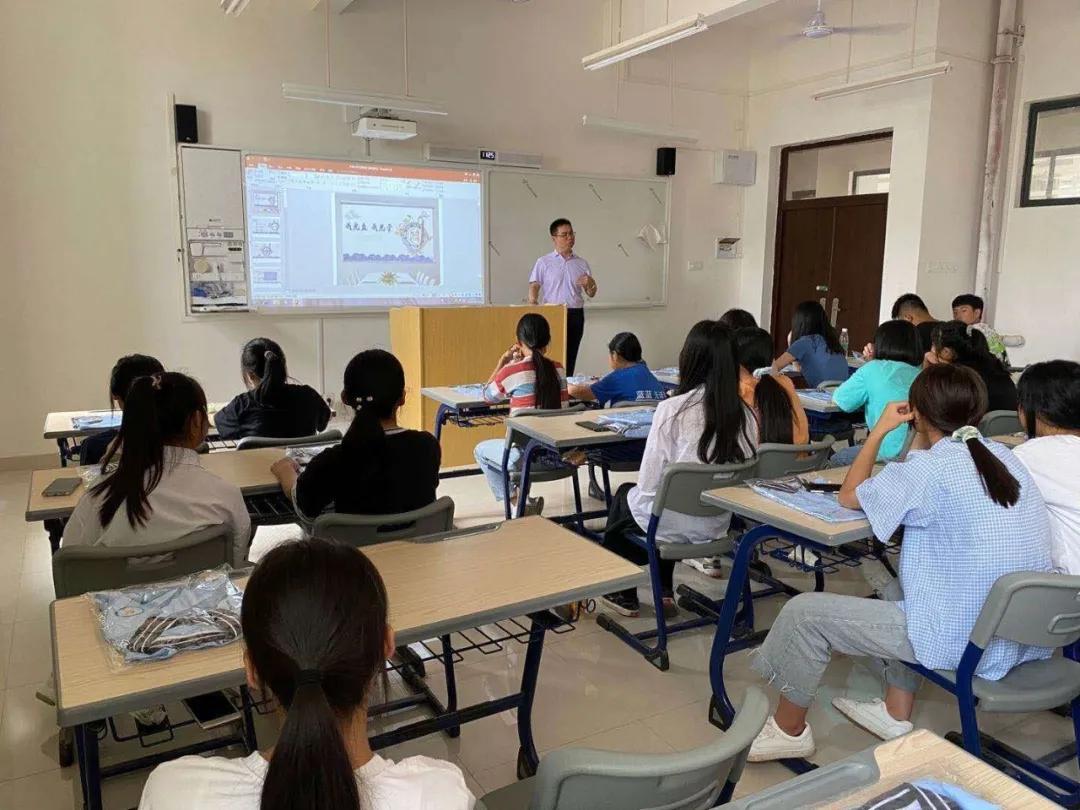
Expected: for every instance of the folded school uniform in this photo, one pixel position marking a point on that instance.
(926, 794)
(155, 622)
(632, 424)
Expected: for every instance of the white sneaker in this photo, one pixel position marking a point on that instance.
(774, 743)
(873, 717)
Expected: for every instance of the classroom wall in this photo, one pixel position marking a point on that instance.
(88, 213)
(1036, 290)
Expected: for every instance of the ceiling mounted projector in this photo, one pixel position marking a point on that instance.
(384, 129)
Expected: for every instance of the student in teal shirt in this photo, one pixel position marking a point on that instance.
(887, 377)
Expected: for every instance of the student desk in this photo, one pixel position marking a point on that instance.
(465, 410)
(786, 524)
(436, 586)
(60, 425)
(921, 754)
(1010, 439)
(667, 377)
(560, 434)
(248, 469)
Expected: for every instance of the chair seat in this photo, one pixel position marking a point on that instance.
(688, 551)
(1031, 687)
(515, 796)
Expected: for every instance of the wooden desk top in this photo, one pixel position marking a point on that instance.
(248, 469)
(59, 424)
(743, 501)
(467, 580)
(561, 432)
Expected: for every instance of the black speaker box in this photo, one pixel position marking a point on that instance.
(187, 123)
(665, 161)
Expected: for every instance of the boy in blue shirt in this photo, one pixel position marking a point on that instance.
(629, 381)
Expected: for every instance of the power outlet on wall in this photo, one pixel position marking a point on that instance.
(695, 267)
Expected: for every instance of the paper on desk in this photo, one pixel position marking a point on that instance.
(304, 455)
(813, 393)
(582, 379)
(97, 421)
(822, 505)
(471, 390)
(667, 371)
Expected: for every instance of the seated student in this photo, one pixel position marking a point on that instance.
(780, 415)
(529, 379)
(705, 421)
(954, 342)
(315, 637)
(738, 319)
(969, 309)
(1050, 413)
(886, 378)
(814, 346)
(629, 381)
(379, 468)
(159, 491)
(272, 406)
(954, 486)
(910, 307)
(127, 369)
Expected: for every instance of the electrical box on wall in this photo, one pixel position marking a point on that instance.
(727, 247)
(735, 167)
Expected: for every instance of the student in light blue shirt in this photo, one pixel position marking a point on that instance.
(629, 381)
(885, 378)
(971, 514)
(814, 346)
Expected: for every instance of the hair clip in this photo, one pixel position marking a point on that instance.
(762, 372)
(965, 433)
(268, 355)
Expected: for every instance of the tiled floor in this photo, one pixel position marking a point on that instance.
(594, 692)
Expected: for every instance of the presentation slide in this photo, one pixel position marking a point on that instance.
(334, 234)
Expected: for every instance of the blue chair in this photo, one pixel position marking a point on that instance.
(680, 491)
(1041, 610)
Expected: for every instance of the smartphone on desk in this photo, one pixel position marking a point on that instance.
(212, 710)
(595, 427)
(61, 487)
(821, 486)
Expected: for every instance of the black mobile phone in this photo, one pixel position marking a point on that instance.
(595, 427)
(212, 710)
(61, 487)
(817, 486)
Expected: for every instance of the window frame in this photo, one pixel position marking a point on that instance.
(856, 174)
(1072, 102)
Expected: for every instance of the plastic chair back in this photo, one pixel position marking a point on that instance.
(582, 779)
(81, 569)
(251, 442)
(631, 403)
(682, 484)
(1042, 610)
(367, 530)
(778, 460)
(829, 385)
(1000, 423)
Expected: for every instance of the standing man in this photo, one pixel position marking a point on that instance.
(560, 277)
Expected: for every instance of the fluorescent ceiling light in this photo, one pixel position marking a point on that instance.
(354, 98)
(646, 130)
(234, 7)
(921, 72)
(656, 38)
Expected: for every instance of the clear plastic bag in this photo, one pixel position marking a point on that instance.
(156, 621)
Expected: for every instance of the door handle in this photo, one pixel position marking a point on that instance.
(822, 288)
(835, 310)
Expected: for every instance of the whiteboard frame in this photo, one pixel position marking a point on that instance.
(589, 303)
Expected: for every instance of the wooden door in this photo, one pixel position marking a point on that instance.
(830, 248)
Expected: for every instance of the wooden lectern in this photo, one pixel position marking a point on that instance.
(458, 346)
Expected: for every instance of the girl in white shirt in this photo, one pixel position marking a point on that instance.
(1049, 410)
(315, 636)
(159, 491)
(705, 422)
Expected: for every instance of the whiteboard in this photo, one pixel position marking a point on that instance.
(213, 228)
(608, 214)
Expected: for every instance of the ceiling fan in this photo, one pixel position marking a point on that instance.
(818, 28)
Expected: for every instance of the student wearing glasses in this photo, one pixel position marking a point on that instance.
(563, 277)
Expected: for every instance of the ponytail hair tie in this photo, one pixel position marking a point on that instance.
(268, 355)
(965, 434)
(361, 400)
(308, 676)
(762, 372)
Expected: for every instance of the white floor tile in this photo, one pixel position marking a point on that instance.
(30, 661)
(28, 735)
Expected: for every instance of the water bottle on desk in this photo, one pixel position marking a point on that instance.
(845, 340)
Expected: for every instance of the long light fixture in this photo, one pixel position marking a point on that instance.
(354, 98)
(902, 77)
(644, 130)
(642, 43)
(234, 7)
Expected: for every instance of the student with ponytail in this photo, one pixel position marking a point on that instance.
(955, 342)
(159, 491)
(704, 422)
(971, 514)
(780, 415)
(529, 379)
(127, 369)
(271, 406)
(379, 468)
(316, 634)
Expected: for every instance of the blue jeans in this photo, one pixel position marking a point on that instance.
(489, 455)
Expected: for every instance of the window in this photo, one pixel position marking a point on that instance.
(1052, 156)
(871, 181)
